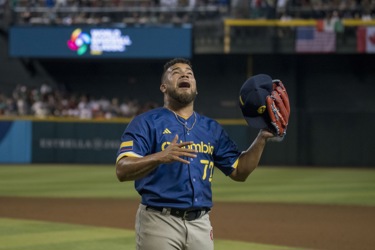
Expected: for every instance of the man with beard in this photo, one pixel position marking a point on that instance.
(170, 153)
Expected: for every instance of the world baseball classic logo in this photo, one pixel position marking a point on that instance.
(79, 41)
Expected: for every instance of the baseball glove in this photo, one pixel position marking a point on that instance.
(278, 108)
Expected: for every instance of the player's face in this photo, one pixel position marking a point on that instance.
(180, 83)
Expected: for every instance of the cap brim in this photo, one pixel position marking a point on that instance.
(257, 122)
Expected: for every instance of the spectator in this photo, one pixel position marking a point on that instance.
(61, 3)
(3, 104)
(39, 108)
(50, 3)
(84, 108)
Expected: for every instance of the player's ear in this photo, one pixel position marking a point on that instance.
(163, 88)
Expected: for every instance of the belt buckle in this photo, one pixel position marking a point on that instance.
(191, 215)
(185, 215)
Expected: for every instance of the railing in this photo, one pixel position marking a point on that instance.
(119, 9)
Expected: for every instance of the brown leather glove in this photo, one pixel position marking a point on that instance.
(278, 108)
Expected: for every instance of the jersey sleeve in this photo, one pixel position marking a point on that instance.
(226, 154)
(136, 139)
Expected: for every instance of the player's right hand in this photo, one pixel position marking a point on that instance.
(177, 152)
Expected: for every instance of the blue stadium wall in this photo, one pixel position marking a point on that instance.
(86, 142)
(327, 141)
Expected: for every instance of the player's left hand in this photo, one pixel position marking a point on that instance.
(266, 134)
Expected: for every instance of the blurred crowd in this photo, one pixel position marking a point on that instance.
(96, 12)
(45, 101)
(305, 9)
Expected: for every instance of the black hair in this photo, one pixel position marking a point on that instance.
(174, 61)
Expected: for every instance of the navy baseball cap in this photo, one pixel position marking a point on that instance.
(252, 100)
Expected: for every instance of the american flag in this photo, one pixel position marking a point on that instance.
(308, 39)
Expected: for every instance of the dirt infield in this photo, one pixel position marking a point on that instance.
(304, 226)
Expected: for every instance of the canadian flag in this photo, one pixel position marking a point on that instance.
(366, 39)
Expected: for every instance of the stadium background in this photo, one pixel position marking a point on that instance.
(332, 118)
(331, 94)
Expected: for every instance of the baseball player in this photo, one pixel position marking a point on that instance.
(170, 152)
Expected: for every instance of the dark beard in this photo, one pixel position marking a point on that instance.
(184, 98)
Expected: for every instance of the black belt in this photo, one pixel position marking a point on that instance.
(185, 214)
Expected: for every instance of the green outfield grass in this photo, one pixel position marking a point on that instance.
(347, 186)
(36, 235)
(267, 184)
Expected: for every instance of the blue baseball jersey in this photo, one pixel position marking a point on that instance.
(176, 184)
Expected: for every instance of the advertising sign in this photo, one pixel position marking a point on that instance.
(100, 42)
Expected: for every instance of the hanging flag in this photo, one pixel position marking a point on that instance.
(366, 39)
(310, 40)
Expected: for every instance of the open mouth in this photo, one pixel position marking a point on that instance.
(184, 85)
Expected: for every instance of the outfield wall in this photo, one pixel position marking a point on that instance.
(39, 141)
(96, 142)
(15, 141)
